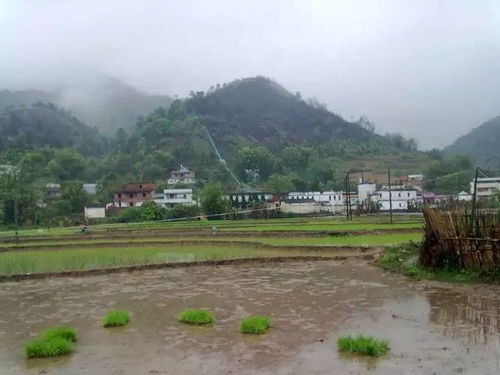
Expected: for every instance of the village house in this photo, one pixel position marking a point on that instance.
(52, 190)
(365, 190)
(172, 197)
(134, 195)
(181, 176)
(426, 197)
(90, 188)
(315, 202)
(402, 199)
(487, 187)
(94, 212)
(463, 196)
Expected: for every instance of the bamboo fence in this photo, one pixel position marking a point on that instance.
(460, 239)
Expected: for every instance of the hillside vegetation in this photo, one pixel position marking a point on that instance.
(45, 125)
(481, 144)
(105, 103)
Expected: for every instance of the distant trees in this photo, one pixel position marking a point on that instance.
(449, 174)
(212, 201)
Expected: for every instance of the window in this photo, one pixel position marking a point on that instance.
(119, 195)
(144, 195)
(131, 195)
(408, 194)
(140, 187)
(399, 194)
(399, 204)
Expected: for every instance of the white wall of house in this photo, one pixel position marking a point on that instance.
(171, 197)
(300, 208)
(401, 198)
(365, 190)
(397, 205)
(95, 212)
(486, 186)
(325, 197)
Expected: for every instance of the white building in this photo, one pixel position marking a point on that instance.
(324, 197)
(172, 197)
(90, 189)
(315, 201)
(95, 212)
(182, 176)
(464, 196)
(402, 199)
(365, 190)
(486, 187)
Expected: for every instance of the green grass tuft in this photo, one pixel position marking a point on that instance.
(116, 318)
(363, 345)
(255, 324)
(196, 317)
(44, 347)
(64, 332)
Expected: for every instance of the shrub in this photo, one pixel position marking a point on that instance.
(255, 324)
(48, 347)
(363, 345)
(196, 317)
(116, 318)
(67, 333)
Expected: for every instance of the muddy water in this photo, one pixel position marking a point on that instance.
(433, 328)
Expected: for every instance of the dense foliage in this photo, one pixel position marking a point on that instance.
(481, 144)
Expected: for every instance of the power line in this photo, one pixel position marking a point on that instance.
(223, 162)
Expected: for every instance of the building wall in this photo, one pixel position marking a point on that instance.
(331, 197)
(486, 187)
(132, 199)
(365, 190)
(300, 208)
(95, 212)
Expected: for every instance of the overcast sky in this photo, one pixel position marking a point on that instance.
(428, 69)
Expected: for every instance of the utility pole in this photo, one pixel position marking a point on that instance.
(348, 198)
(390, 192)
(474, 198)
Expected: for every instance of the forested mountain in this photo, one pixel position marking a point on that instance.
(270, 138)
(481, 143)
(44, 125)
(266, 135)
(106, 103)
(260, 110)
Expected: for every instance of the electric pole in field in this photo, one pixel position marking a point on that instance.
(348, 198)
(390, 192)
(474, 198)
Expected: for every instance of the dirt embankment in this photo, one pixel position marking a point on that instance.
(137, 234)
(153, 266)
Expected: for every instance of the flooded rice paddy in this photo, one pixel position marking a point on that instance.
(433, 328)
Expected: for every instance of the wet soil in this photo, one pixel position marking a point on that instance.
(433, 328)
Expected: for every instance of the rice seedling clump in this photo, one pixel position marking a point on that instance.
(64, 332)
(196, 317)
(255, 324)
(48, 347)
(116, 318)
(364, 345)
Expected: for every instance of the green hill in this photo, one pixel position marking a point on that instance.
(266, 133)
(106, 103)
(481, 143)
(44, 125)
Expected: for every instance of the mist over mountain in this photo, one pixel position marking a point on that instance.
(103, 102)
(46, 126)
(481, 143)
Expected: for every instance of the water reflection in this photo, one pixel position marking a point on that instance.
(465, 315)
